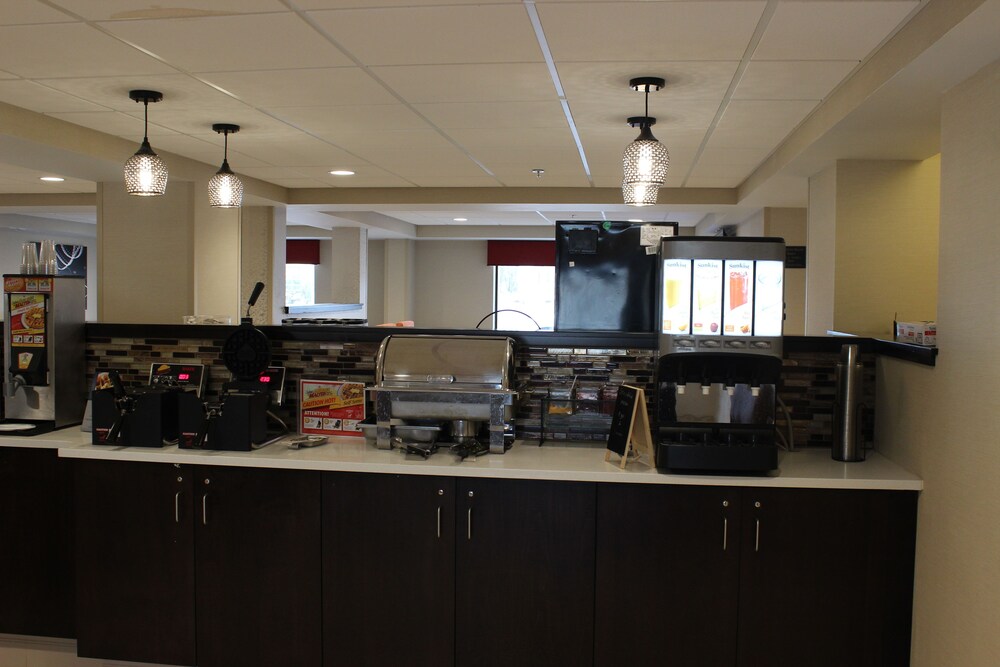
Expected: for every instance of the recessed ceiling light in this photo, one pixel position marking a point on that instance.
(341, 172)
(460, 219)
(52, 179)
(634, 220)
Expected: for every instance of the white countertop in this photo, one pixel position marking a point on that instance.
(811, 468)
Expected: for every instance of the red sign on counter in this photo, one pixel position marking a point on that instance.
(328, 407)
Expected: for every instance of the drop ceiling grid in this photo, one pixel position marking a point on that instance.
(127, 10)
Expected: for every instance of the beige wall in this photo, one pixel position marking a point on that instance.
(942, 422)
(821, 238)
(453, 285)
(375, 297)
(398, 290)
(886, 243)
(790, 225)
(256, 251)
(216, 257)
(144, 256)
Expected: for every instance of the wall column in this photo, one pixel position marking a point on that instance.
(262, 259)
(398, 280)
(144, 254)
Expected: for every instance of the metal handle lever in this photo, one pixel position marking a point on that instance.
(177, 507)
(756, 539)
(204, 509)
(468, 534)
(439, 521)
(725, 533)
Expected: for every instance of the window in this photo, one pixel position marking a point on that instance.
(300, 284)
(525, 295)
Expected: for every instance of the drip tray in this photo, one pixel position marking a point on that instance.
(25, 428)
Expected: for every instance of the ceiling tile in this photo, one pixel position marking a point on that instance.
(434, 35)
(672, 116)
(180, 91)
(531, 147)
(53, 50)
(606, 83)
(34, 97)
(366, 176)
(517, 177)
(792, 79)
(103, 10)
(198, 122)
(637, 32)
(7, 75)
(758, 123)
(363, 4)
(228, 43)
(15, 13)
(833, 30)
(514, 82)
(113, 123)
(494, 115)
(333, 121)
(292, 150)
(321, 87)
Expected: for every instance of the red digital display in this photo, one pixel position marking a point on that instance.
(265, 378)
(183, 376)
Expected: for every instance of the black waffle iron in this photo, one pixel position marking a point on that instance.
(238, 421)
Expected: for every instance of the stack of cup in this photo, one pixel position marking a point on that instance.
(29, 258)
(47, 258)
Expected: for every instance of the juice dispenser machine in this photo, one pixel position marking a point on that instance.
(721, 317)
(44, 355)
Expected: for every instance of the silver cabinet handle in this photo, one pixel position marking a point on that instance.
(439, 521)
(177, 507)
(204, 509)
(725, 533)
(468, 534)
(756, 539)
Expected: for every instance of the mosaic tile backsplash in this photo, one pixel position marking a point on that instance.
(567, 393)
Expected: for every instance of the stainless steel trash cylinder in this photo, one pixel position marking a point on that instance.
(847, 407)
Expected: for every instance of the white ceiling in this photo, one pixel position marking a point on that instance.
(441, 93)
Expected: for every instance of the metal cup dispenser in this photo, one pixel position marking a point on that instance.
(848, 444)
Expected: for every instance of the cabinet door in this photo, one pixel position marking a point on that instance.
(804, 578)
(388, 570)
(667, 575)
(36, 530)
(524, 573)
(258, 562)
(135, 562)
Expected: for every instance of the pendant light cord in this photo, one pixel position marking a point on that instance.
(145, 120)
(225, 146)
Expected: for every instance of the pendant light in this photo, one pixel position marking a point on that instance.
(646, 160)
(225, 189)
(145, 173)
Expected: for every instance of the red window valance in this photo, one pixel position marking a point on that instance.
(521, 253)
(302, 251)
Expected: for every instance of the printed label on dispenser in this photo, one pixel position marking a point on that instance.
(27, 320)
(706, 317)
(769, 298)
(738, 282)
(676, 299)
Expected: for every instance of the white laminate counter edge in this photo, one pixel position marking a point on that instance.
(806, 469)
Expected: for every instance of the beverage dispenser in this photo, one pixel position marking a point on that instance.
(44, 355)
(721, 318)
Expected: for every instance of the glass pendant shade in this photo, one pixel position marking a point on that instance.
(225, 189)
(646, 160)
(639, 193)
(145, 173)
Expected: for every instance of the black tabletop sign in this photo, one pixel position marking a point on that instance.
(621, 419)
(795, 257)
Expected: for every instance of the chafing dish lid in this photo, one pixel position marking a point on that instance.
(445, 362)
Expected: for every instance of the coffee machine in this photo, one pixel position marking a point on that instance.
(721, 319)
(44, 376)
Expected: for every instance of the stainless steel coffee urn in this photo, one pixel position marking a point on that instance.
(44, 356)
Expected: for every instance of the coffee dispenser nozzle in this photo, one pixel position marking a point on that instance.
(16, 382)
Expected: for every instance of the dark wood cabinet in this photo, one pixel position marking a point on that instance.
(724, 577)
(820, 577)
(668, 568)
(36, 531)
(135, 562)
(257, 559)
(388, 570)
(524, 591)
(174, 570)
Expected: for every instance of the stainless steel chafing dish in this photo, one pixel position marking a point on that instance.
(444, 377)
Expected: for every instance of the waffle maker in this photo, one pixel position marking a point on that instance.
(238, 421)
